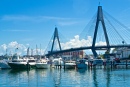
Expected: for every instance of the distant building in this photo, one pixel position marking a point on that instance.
(73, 54)
(122, 52)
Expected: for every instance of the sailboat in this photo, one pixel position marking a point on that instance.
(42, 63)
(70, 64)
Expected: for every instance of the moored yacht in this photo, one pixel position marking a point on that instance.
(70, 64)
(81, 64)
(22, 63)
(4, 64)
(98, 63)
(42, 64)
(56, 62)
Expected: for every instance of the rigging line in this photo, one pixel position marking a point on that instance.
(89, 23)
(112, 36)
(49, 44)
(109, 34)
(88, 27)
(116, 31)
(118, 22)
(61, 36)
(126, 35)
(115, 37)
(98, 34)
(101, 33)
(111, 31)
(111, 28)
(91, 29)
(123, 31)
(126, 29)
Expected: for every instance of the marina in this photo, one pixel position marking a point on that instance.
(97, 56)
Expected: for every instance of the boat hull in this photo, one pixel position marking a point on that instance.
(42, 66)
(21, 65)
(81, 66)
(4, 65)
(69, 66)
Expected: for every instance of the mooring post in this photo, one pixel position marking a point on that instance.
(28, 65)
(64, 63)
(126, 63)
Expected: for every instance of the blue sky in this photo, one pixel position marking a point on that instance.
(31, 22)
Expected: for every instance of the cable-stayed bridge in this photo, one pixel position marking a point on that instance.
(102, 30)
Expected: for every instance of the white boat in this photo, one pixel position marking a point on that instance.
(98, 62)
(42, 64)
(4, 64)
(57, 62)
(24, 63)
(94, 62)
(70, 64)
(81, 64)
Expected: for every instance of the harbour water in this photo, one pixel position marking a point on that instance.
(65, 78)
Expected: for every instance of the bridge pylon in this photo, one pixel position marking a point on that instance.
(56, 36)
(99, 19)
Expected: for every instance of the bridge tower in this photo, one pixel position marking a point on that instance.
(99, 19)
(56, 36)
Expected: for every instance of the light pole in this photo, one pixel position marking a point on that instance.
(122, 48)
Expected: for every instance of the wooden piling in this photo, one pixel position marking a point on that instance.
(126, 63)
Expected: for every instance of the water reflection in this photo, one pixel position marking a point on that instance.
(108, 78)
(100, 77)
(82, 71)
(42, 77)
(95, 78)
(65, 78)
(56, 75)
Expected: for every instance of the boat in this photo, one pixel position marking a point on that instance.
(4, 64)
(56, 62)
(98, 62)
(42, 64)
(81, 64)
(70, 64)
(4, 61)
(95, 62)
(22, 63)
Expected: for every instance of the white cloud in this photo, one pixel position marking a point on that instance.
(13, 44)
(16, 18)
(12, 48)
(21, 49)
(100, 43)
(32, 18)
(76, 42)
(4, 47)
(58, 20)
(16, 30)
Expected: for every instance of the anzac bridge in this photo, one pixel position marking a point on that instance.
(99, 21)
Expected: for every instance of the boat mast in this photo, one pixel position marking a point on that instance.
(40, 51)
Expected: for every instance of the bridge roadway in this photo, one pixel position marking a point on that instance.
(104, 47)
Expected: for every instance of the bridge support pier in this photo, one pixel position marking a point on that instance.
(94, 53)
(99, 19)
